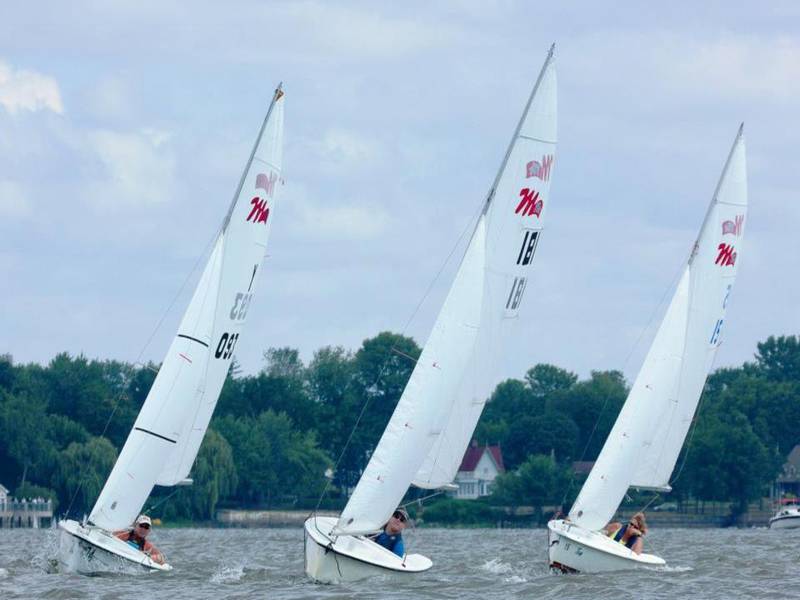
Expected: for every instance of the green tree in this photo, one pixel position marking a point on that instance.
(83, 470)
(213, 477)
(539, 481)
(779, 358)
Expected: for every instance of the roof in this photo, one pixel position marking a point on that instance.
(3, 489)
(474, 453)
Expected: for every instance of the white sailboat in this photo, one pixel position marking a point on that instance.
(170, 427)
(644, 444)
(437, 413)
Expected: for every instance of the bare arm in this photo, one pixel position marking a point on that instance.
(638, 546)
(612, 527)
(153, 553)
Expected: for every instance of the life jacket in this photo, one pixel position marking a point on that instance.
(618, 535)
(131, 540)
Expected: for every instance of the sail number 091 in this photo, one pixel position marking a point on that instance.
(226, 345)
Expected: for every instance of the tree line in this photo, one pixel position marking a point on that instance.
(277, 437)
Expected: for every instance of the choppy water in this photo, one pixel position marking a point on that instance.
(468, 563)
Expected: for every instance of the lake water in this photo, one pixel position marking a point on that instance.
(468, 563)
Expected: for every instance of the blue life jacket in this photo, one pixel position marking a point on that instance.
(391, 542)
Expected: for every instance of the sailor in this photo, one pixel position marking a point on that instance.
(629, 535)
(391, 537)
(137, 537)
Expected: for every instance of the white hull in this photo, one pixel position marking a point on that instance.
(787, 518)
(574, 549)
(93, 551)
(350, 558)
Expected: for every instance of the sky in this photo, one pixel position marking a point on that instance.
(124, 128)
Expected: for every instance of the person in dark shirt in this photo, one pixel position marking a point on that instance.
(391, 537)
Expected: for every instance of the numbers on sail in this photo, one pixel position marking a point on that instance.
(528, 248)
(227, 342)
(715, 335)
(515, 296)
(241, 304)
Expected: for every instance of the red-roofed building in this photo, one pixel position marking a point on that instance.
(479, 468)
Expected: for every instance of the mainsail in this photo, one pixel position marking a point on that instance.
(644, 444)
(167, 434)
(437, 412)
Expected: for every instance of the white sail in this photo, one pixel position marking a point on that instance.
(645, 442)
(420, 412)
(167, 434)
(515, 221)
(439, 408)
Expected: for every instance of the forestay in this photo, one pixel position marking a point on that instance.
(515, 212)
(437, 413)
(644, 444)
(168, 432)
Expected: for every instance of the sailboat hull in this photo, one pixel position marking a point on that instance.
(94, 551)
(572, 549)
(347, 558)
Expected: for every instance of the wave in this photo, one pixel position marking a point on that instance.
(228, 575)
(496, 566)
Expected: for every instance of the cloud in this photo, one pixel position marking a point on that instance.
(330, 219)
(22, 90)
(341, 149)
(669, 65)
(13, 201)
(139, 167)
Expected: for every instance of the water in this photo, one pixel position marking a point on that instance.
(468, 563)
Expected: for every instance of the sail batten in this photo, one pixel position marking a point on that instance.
(170, 427)
(643, 447)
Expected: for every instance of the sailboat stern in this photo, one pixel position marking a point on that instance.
(89, 550)
(346, 558)
(572, 549)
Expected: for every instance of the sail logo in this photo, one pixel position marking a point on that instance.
(733, 227)
(531, 203)
(540, 169)
(260, 211)
(266, 183)
(726, 256)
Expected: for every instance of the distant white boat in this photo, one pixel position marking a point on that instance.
(643, 446)
(163, 444)
(787, 517)
(433, 422)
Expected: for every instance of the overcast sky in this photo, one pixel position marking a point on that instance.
(124, 127)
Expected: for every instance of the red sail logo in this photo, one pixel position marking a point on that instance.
(540, 169)
(260, 211)
(531, 203)
(726, 256)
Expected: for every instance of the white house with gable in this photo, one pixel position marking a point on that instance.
(479, 468)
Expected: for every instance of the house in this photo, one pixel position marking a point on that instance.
(479, 468)
(788, 482)
(3, 498)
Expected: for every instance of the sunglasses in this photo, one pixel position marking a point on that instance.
(400, 517)
(143, 525)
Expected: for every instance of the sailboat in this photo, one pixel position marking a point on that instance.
(170, 427)
(437, 413)
(644, 444)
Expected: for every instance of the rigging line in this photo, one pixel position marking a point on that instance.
(160, 322)
(385, 364)
(635, 345)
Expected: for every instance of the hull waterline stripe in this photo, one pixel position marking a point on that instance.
(188, 337)
(155, 435)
